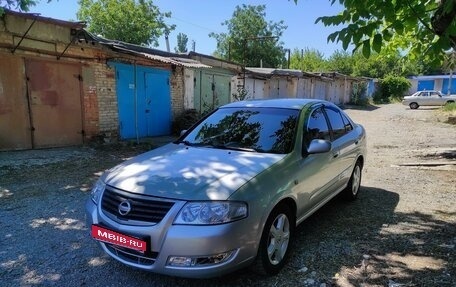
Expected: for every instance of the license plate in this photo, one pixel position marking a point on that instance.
(119, 239)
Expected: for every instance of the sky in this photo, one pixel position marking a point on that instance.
(198, 18)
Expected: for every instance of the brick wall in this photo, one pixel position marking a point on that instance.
(177, 91)
(98, 86)
(107, 100)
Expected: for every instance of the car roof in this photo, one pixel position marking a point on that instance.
(288, 103)
(435, 91)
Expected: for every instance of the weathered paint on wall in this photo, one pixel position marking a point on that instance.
(211, 88)
(336, 90)
(15, 130)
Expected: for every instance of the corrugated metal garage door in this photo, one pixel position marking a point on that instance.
(55, 103)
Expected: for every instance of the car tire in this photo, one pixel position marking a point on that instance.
(275, 244)
(414, 106)
(354, 184)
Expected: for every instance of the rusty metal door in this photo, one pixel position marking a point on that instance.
(55, 103)
(14, 120)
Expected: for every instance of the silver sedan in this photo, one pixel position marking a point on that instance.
(230, 191)
(427, 98)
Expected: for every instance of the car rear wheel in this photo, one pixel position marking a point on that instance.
(274, 248)
(354, 184)
(414, 106)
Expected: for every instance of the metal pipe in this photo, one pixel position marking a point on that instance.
(136, 103)
(25, 34)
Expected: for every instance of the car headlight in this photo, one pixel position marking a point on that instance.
(97, 190)
(211, 212)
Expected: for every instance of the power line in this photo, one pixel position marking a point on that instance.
(196, 25)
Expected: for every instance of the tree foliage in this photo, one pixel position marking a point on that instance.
(22, 5)
(392, 87)
(308, 60)
(182, 41)
(342, 62)
(251, 39)
(423, 29)
(132, 21)
(378, 65)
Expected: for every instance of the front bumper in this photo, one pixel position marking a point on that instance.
(166, 240)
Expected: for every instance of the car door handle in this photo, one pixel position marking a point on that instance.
(356, 142)
(335, 155)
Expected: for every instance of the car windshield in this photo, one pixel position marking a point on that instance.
(269, 130)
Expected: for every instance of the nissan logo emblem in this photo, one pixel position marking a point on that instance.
(124, 207)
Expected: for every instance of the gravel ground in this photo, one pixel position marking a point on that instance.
(400, 232)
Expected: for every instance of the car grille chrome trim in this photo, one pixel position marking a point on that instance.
(132, 255)
(145, 210)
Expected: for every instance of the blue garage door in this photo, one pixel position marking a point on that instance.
(446, 86)
(156, 103)
(144, 101)
(125, 90)
(425, 85)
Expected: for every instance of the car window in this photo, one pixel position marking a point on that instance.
(270, 130)
(337, 123)
(347, 124)
(434, 94)
(317, 127)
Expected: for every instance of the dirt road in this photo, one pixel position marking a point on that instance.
(401, 230)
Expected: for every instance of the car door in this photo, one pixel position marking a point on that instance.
(344, 142)
(315, 173)
(424, 99)
(435, 99)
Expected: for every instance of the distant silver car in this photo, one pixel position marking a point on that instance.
(427, 98)
(230, 191)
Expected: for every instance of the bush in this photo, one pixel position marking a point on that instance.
(358, 96)
(391, 88)
(185, 120)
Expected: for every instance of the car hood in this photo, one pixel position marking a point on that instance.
(189, 173)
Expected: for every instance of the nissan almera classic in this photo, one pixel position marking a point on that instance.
(230, 191)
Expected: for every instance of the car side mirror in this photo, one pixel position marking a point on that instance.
(319, 146)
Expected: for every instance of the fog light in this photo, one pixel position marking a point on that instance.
(181, 261)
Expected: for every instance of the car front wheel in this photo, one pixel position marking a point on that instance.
(275, 241)
(413, 106)
(352, 189)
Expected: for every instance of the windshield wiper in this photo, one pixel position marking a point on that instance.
(238, 148)
(187, 143)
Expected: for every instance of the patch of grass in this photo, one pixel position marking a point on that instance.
(447, 114)
(450, 108)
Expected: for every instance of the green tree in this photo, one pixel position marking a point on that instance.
(308, 60)
(423, 29)
(251, 39)
(182, 41)
(137, 22)
(22, 5)
(342, 62)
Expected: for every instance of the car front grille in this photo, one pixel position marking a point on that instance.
(132, 256)
(144, 209)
